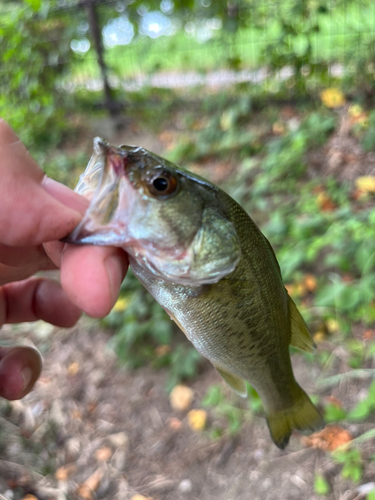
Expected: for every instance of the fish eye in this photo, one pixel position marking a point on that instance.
(162, 183)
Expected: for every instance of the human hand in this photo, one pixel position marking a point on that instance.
(35, 213)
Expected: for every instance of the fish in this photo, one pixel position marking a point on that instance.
(205, 261)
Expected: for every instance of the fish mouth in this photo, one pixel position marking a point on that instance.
(106, 185)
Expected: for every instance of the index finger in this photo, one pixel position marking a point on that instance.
(30, 214)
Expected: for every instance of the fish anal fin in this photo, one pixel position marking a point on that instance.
(234, 381)
(300, 335)
(302, 416)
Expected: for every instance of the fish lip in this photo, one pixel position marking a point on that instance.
(100, 180)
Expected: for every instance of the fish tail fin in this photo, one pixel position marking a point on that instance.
(302, 416)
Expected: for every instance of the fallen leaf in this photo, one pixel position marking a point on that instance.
(357, 194)
(87, 489)
(300, 289)
(332, 97)
(76, 414)
(140, 497)
(103, 454)
(73, 368)
(330, 438)
(368, 334)
(162, 350)
(310, 282)
(358, 115)
(290, 287)
(319, 336)
(332, 325)
(120, 439)
(325, 203)
(278, 128)
(174, 423)
(197, 419)
(121, 304)
(365, 184)
(355, 110)
(63, 473)
(181, 397)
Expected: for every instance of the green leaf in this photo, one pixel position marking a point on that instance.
(360, 412)
(371, 495)
(214, 396)
(333, 413)
(348, 298)
(321, 486)
(352, 471)
(371, 395)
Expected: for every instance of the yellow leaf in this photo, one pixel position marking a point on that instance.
(73, 368)
(333, 325)
(332, 97)
(319, 336)
(181, 397)
(64, 472)
(310, 282)
(86, 490)
(197, 420)
(278, 128)
(355, 110)
(366, 183)
(121, 304)
(103, 454)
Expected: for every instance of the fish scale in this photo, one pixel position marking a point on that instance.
(248, 339)
(208, 265)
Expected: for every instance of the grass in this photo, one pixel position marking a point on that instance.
(343, 32)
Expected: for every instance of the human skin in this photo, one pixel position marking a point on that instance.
(35, 213)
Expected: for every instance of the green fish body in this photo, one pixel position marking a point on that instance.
(209, 266)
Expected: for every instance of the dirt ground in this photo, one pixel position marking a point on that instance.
(92, 430)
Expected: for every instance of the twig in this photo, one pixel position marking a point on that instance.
(353, 374)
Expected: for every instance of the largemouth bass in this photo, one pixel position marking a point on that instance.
(209, 266)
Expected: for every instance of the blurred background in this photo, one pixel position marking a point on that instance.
(273, 101)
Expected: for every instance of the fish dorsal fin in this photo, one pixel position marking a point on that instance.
(234, 381)
(300, 335)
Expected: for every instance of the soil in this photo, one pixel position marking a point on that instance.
(91, 430)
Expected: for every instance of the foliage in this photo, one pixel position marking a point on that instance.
(363, 409)
(228, 418)
(31, 62)
(321, 485)
(352, 463)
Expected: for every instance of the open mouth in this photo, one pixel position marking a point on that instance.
(100, 183)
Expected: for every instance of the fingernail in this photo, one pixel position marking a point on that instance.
(65, 195)
(26, 375)
(114, 270)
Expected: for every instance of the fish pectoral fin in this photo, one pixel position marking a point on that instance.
(300, 335)
(234, 381)
(302, 416)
